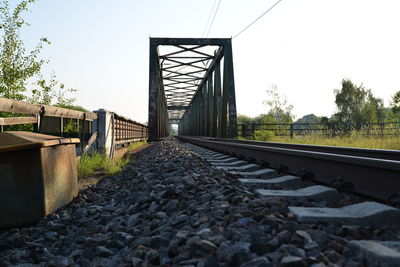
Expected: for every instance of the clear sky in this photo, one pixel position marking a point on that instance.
(304, 47)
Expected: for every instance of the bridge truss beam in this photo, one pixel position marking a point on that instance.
(185, 87)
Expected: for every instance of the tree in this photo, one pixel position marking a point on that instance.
(243, 119)
(310, 118)
(357, 106)
(395, 104)
(279, 108)
(17, 66)
(50, 90)
(307, 119)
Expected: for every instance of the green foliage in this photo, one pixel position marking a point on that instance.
(265, 119)
(356, 106)
(263, 135)
(17, 66)
(310, 118)
(89, 165)
(23, 127)
(390, 115)
(74, 107)
(395, 104)
(260, 119)
(51, 91)
(353, 140)
(71, 125)
(358, 110)
(243, 119)
(136, 145)
(70, 128)
(112, 166)
(279, 108)
(280, 112)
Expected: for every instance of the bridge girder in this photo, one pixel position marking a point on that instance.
(185, 87)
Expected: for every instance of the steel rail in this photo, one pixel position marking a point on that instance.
(372, 177)
(351, 151)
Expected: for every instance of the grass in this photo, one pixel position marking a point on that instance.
(392, 143)
(99, 164)
(136, 145)
(90, 165)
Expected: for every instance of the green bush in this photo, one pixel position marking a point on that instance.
(263, 135)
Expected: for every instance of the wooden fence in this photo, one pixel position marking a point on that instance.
(88, 126)
(250, 131)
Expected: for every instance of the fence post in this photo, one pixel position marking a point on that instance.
(291, 130)
(83, 137)
(61, 126)
(41, 118)
(105, 129)
(244, 130)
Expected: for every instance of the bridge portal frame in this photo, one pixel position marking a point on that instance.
(212, 108)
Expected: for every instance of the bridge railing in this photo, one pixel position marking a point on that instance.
(128, 130)
(99, 130)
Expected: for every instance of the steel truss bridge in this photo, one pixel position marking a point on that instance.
(191, 83)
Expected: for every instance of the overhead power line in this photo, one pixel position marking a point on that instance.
(212, 22)
(248, 26)
(209, 17)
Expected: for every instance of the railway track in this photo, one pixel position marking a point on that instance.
(231, 158)
(369, 172)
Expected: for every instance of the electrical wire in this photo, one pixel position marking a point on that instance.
(212, 22)
(248, 26)
(209, 17)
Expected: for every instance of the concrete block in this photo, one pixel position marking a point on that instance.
(218, 157)
(263, 173)
(38, 175)
(105, 125)
(222, 160)
(210, 154)
(377, 253)
(365, 213)
(247, 167)
(287, 181)
(315, 193)
(236, 163)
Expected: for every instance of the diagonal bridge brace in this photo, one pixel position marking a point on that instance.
(191, 83)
